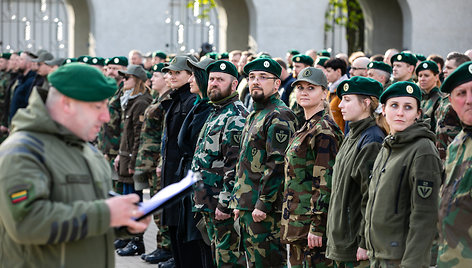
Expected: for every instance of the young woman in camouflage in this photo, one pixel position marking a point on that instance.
(353, 165)
(402, 208)
(309, 161)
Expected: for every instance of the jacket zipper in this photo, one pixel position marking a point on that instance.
(397, 199)
(63, 255)
(372, 205)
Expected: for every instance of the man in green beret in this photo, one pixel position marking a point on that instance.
(158, 57)
(381, 72)
(324, 53)
(215, 159)
(403, 65)
(289, 57)
(257, 193)
(54, 183)
(455, 248)
(300, 62)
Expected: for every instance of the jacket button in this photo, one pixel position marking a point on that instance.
(383, 170)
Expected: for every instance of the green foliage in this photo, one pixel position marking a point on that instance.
(205, 7)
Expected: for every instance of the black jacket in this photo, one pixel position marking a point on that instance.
(181, 104)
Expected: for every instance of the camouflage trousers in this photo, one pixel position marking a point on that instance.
(378, 263)
(301, 256)
(162, 234)
(224, 241)
(261, 241)
(351, 264)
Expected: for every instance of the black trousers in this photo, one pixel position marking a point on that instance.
(193, 254)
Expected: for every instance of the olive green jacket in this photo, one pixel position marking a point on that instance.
(351, 173)
(402, 210)
(52, 186)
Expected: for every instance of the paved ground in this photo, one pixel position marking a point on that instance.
(149, 241)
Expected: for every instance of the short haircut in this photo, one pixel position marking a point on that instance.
(459, 58)
(135, 51)
(281, 62)
(377, 57)
(438, 59)
(235, 52)
(336, 64)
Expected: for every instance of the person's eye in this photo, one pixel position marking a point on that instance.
(311, 88)
(394, 105)
(408, 107)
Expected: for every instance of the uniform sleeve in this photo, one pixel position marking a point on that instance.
(424, 183)
(279, 132)
(361, 171)
(325, 147)
(230, 151)
(138, 119)
(26, 208)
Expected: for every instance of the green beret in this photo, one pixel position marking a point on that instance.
(360, 86)
(224, 55)
(459, 76)
(82, 82)
(223, 66)
(5, 55)
(427, 65)
(159, 54)
(321, 60)
(84, 59)
(69, 60)
(305, 59)
(136, 70)
(97, 61)
(380, 65)
(202, 64)
(404, 57)
(420, 57)
(324, 53)
(158, 67)
(179, 63)
(265, 65)
(118, 60)
(212, 55)
(294, 52)
(313, 76)
(148, 74)
(401, 89)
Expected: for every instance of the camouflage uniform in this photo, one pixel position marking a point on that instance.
(110, 134)
(215, 158)
(309, 164)
(429, 104)
(455, 213)
(148, 158)
(447, 126)
(260, 180)
(4, 80)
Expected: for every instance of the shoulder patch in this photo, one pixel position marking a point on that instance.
(237, 138)
(424, 188)
(280, 138)
(17, 197)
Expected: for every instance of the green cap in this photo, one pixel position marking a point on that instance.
(404, 57)
(70, 60)
(212, 55)
(265, 65)
(223, 66)
(136, 70)
(420, 57)
(55, 61)
(158, 67)
(324, 53)
(459, 76)
(224, 55)
(202, 64)
(44, 56)
(360, 86)
(118, 60)
(97, 61)
(380, 65)
(159, 54)
(82, 82)
(84, 59)
(305, 59)
(5, 55)
(293, 52)
(321, 60)
(179, 63)
(401, 89)
(427, 65)
(313, 76)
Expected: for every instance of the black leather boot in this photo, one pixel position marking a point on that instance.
(159, 255)
(170, 263)
(134, 247)
(121, 243)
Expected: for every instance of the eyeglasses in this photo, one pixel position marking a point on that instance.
(126, 77)
(357, 68)
(261, 78)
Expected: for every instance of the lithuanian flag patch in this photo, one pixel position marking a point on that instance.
(19, 196)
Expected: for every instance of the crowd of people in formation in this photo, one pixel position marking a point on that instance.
(315, 160)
